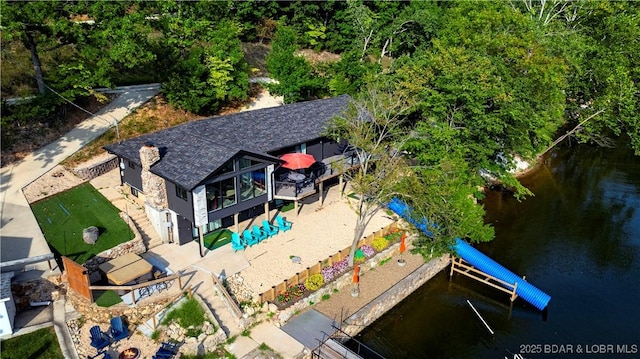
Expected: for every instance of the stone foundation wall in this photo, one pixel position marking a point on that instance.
(97, 169)
(374, 310)
(136, 245)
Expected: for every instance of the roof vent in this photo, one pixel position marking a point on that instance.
(148, 144)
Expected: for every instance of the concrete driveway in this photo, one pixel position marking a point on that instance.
(20, 234)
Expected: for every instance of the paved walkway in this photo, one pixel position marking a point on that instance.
(20, 235)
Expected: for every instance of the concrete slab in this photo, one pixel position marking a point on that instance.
(309, 328)
(242, 346)
(223, 261)
(277, 339)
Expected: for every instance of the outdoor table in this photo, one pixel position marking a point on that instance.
(126, 269)
(296, 177)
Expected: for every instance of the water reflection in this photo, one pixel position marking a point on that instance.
(577, 239)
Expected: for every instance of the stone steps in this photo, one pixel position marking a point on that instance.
(149, 236)
(216, 304)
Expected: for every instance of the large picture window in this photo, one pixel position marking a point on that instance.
(221, 194)
(252, 184)
(247, 162)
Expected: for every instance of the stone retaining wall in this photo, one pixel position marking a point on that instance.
(136, 245)
(135, 315)
(97, 169)
(204, 343)
(379, 306)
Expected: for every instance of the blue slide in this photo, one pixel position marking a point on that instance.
(524, 289)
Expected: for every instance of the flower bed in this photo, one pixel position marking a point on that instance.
(329, 273)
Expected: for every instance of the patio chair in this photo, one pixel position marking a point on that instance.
(283, 224)
(99, 339)
(166, 351)
(237, 243)
(246, 235)
(145, 291)
(118, 329)
(104, 355)
(269, 229)
(259, 233)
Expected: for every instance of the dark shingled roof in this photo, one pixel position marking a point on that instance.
(192, 151)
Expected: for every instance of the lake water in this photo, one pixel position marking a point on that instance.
(577, 239)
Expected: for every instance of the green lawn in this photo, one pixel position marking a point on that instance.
(41, 344)
(217, 238)
(63, 217)
(106, 298)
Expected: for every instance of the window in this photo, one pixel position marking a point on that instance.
(247, 162)
(301, 148)
(252, 184)
(208, 228)
(181, 192)
(221, 194)
(226, 168)
(134, 191)
(131, 164)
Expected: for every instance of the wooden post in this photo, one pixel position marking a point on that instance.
(236, 217)
(340, 180)
(295, 202)
(321, 193)
(180, 282)
(133, 296)
(266, 211)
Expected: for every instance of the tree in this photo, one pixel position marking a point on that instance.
(35, 24)
(296, 80)
(204, 58)
(372, 127)
(490, 81)
(211, 74)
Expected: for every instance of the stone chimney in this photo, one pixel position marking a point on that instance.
(153, 187)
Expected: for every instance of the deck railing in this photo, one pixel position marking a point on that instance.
(132, 288)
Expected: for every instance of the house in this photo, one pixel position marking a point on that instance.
(203, 175)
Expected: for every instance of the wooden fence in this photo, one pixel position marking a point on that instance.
(271, 294)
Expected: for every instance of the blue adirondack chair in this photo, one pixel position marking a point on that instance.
(166, 351)
(269, 229)
(118, 330)
(99, 339)
(258, 233)
(236, 242)
(101, 355)
(283, 224)
(246, 235)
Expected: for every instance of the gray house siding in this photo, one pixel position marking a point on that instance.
(333, 148)
(181, 206)
(132, 174)
(315, 149)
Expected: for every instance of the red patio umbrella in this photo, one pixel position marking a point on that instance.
(296, 161)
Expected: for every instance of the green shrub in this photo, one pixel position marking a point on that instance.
(359, 256)
(379, 244)
(314, 282)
